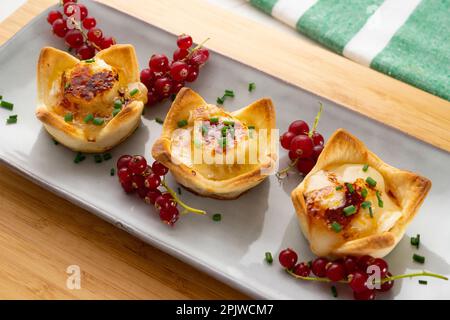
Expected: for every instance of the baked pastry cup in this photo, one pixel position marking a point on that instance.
(90, 105)
(353, 203)
(215, 153)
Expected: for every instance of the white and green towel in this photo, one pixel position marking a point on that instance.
(406, 39)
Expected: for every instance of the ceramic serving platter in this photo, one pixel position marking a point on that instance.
(262, 219)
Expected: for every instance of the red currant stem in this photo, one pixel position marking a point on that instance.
(178, 200)
(287, 169)
(196, 48)
(85, 37)
(316, 120)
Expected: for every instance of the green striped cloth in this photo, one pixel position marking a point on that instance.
(406, 39)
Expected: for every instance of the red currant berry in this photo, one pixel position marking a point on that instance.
(184, 41)
(350, 264)
(199, 56)
(335, 271)
(386, 286)
(159, 169)
(148, 77)
(95, 35)
(299, 127)
(288, 258)
(164, 202)
(364, 262)
(123, 161)
(53, 16)
(127, 187)
(304, 166)
(137, 181)
(83, 11)
(193, 73)
(142, 192)
(318, 267)
(152, 195)
(177, 86)
(124, 175)
(302, 145)
(358, 281)
(317, 138)
(59, 27)
(71, 8)
(152, 97)
(89, 23)
(180, 54)
(74, 39)
(163, 87)
(85, 52)
(293, 156)
(169, 215)
(285, 139)
(107, 42)
(365, 295)
(382, 265)
(153, 181)
(179, 70)
(159, 63)
(302, 269)
(137, 164)
(317, 150)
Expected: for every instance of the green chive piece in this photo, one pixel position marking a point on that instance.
(159, 120)
(13, 116)
(204, 130)
(98, 158)
(415, 241)
(67, 86)
(11, 120)
(371, 182)
(79, 157)
(365, 167)
(1, 97)
(380, 200)
(364, 193)
(334, 291)
(348, 211)
(7, 105)
(179, 190)
(220, 100)
(88, 118)
(112, 172)
(107, 156)
(116, 112)
(182, 123)
(251, 127)
(89, 60)
(350, 187)
(251, 86)
(424, 282)
(228, 122)
(370, 212)
(336, 227)
(418, 258)
(224, 131)
(214, 120)
(134, 92)
(339, 188)
(217, 217)
(98, 121)
(269, 258)
(366, 204)
(229, 93)
(68, 117)
(223, 142)
(117, 104)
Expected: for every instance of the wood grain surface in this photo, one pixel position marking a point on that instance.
(41, 234)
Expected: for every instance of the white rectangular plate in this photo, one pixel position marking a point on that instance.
(262, 219)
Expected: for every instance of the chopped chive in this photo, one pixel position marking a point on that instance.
(415, 241)
(89, 60)
(418, 258)
(11, 120)
(424, 282)
(13, 116)
(134, 92)
(364, 193)
(98, 158)
(98, 121)
(371, 182)
(350, 187)
(228, 122)
(269, 257)
(348, 211)
(336, 227)
(370, 212)
(179, 190)
(107, 156)
(214, 120)
(116, 112)
(334, 291)
(224, 131)
(251, 86)
(380, 200)
(366, 204)
(1, 97)
(204, 130)
(365, 167)
(67, 86)
(339, 188)
(159, 120)
(223, 142)
(182, 123)
(251, 127)
(7, 105)
(88, 118)
(117, 104)
(79, 157)
(309, 264)
(220, 100)
(112, 172)
(68, 117)
(217, 217)
(229, 93)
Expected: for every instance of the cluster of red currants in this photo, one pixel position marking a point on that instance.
(304, 146)
(351, 270)
(164, 78)
(78, 29)
(135, 175)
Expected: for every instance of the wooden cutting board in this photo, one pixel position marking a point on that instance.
(42, 234)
